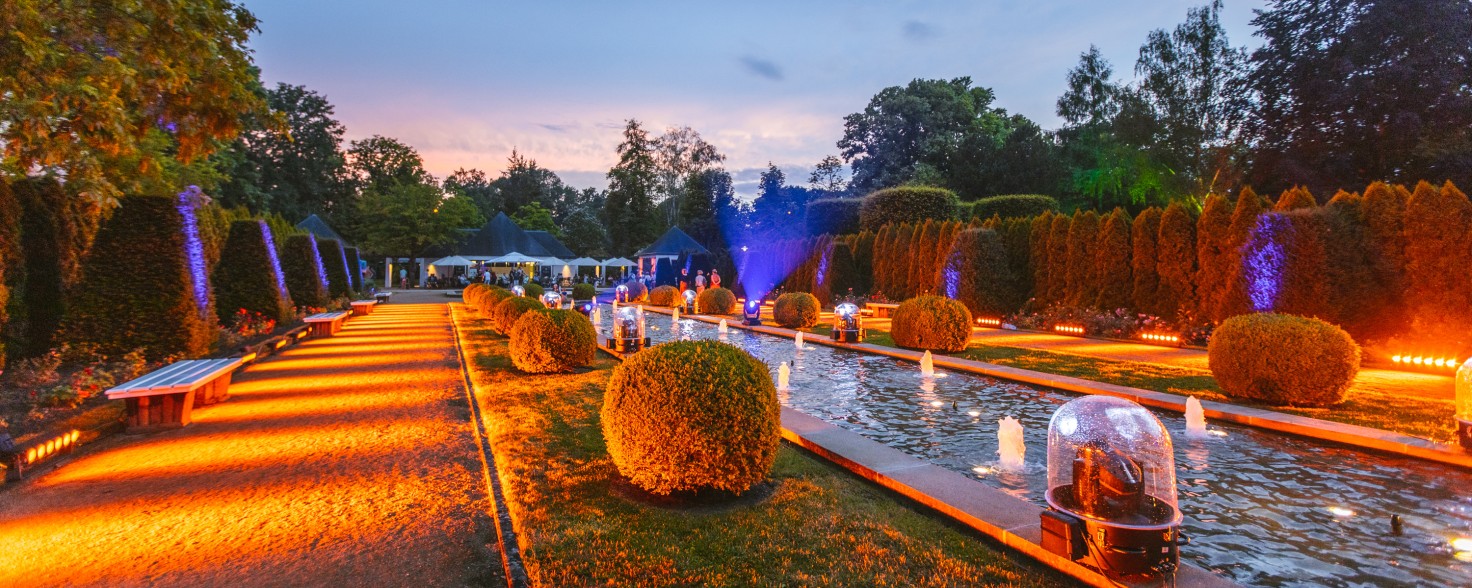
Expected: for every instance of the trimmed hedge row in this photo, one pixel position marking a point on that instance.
(335, 263)
(663, 296)
(692, 415)
(548, 341)
(907, 204)
(1013, 206)
(247, 276)
(504, 316)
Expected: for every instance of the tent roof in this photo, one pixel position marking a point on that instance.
(500, 236)
(320, 229)
(674, 242)
(551, 244)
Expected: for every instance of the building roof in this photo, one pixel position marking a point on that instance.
(320, 229)
(551, 244)
(500, 236)
(674, 242)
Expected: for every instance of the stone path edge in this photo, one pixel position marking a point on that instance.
(1006, 519)
(1345, 434)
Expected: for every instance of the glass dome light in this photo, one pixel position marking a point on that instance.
(552, 300)
(518, 290)
(1464, 405)
(848, 323)
(628, 329)
(621, 293)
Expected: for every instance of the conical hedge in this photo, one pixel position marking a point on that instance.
(335, 263)
(354, 276)
(249, 274)
(302, 264)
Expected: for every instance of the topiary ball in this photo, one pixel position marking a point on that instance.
(933, 323)
(583, 292)
(716, 301)
(491, 299)
(663, 296)
(1283, 360)
(692, 415)
(796, 310)
(533, 290)
(474, 293)
(547, 341)
(510, 309)
(638, 292)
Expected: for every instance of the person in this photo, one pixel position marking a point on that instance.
(699, 281)
(403, 278)
(715, 279)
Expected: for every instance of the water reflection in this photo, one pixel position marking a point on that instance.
(1256, 504)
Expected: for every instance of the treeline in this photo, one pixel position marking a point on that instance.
(1386, 263)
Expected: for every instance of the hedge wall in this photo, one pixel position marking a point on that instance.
(1013, 206)
(1213, 264)
(1057, 286)
(52, 243)
(1176, 263)
(1144, 250)
(834, 216)
(247, 276)
(355, 276)
(137, 291)
(302, 264)
(1112, 263)
(1234, 300)
(1437, 290)
(335, 262)
(1083, 238)
(978, 275)
(907, 204)
(10, 257)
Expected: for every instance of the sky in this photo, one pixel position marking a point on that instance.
(464, 82)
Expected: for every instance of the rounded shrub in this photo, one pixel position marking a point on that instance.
(533, 290)
(907, 204)
(690, 416)
(583, 292)
(664, 296)
(933, 323)
(248, 277)
(302, 264)
(474, 294)
(492, 298)
(796, 310)
(547, 341)
(507, 311)
(1013, 206)
(1283, 359)
(716, 301)
(637, 292)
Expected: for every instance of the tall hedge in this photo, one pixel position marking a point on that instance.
(897, 277)
(907, 204)
(247, 276)
(978, 275)
(50, 256)
(843, 271)
(302, 264)
(1234, 300)
(1016, 234)
(1383, 211)
(1213, 259)
(921, 249)
(10, 257)
(1112, 263)
(335, 262)
(354, 275)
(1038, 252)
(863, 249)
(1144, 252)
(1177, 261)
(1294, 199)
(137, 291)
(1437, 288)
(1057, 290)
(834, 216)
(1083, 236)
(1013, 206)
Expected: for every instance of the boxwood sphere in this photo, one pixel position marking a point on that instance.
(533, 290)
(547, 341)
(637, 292)
(716, 301)
(692, 415)
(663, 296)
(474, 293)
(510, 309)
(583, 292)
(1283, 359)
(933, 323)
(796, 310)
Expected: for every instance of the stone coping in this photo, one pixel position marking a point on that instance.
(1341, 433)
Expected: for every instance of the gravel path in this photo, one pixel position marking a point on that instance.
(347, 461)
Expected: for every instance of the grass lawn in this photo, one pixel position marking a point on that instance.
(1375, 404)
(821, 526)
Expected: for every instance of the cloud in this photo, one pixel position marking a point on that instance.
(762, 68)
(919, 32)
(556, 128)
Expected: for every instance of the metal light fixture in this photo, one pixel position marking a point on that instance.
(848, 323)
(552, 300)
(628, 330)
(751, 312)
(621, 293)
(689, 297)
(1464, 405)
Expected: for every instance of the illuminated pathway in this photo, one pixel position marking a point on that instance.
(347, 461)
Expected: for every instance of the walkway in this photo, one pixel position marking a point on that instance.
(347, 461)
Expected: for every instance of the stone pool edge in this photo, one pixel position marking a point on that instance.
(1345, 434)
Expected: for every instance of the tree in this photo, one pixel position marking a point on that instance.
(1176, 263)
(777, 212)
(629, 209)
(1144, 253)
(1092, 97)
(828, 176)
(407, 219)
(1083, 238)
(1352, 91)
(475, 186)
(1213, 257)
(297, 170)
(85, 83)
(912, 132)
(533, 217)
(1112, 263)
(1107, 127)
(381, 163)
(680, 152)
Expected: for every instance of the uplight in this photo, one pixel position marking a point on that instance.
(1462, 544)
(988, 321)
(1340, 511)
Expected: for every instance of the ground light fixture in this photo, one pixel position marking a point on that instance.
(1431, 362)
(1162, 339)
(25, 457)
(848, 323)
(552, 300)
(518, 290)
(1112, 490)
(628, 330)
(584, 307)
(989, 321)
(751, 312)
(1075, 330)
(689, 297)
(1464, 406)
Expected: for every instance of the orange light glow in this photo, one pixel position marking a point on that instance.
(1068, 329)
(989, 322)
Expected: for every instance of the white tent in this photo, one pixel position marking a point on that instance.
(583, 261)
(618, 262)
(514, 257)
(452, 260)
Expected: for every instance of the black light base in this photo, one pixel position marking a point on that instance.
(1464, 434)
(846, 336)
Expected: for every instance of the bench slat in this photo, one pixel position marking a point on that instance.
(326, 317)
(180, 376)
(147, 380)
(202, 371)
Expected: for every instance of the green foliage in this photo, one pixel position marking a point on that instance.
(533, 217)
(334, 262)
(932, 323)
(984, 281)
(716, 301)
(1176, 263)
(509, 309)
(1112, 263)
(1083, 238)
(690, 416)
(301, 262)
(294, 170)
(909, 204)
(10, 258)
(664, 296)
(550, 341)
(583, 291)
(1057, 286)
(354, 275)
(1283, 360)
(1437, 262)
(843, 272)
(1013, 206)
(534, 290)
(1214, 261)
(1144, 252)
(796, 310)
(137, 291)
(1234, 300)
(245, 278)
(637, 292)
(407, 219)
(834, 216)
(1038, 232)
(629, 208)
(475, 294)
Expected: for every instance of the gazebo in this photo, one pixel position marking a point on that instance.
(671, 246)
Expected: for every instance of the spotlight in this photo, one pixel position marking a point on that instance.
(848, 323)
(989, 321)
(751, 312)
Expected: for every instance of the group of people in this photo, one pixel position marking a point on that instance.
(700, 282)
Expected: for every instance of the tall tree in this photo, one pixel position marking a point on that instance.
(779, 209)
(1352, 91)
(409, 218)
(295, 171)
(533, 217)
(680, 152)
(378, 163)
(629, 209)
(828, 176)
(1092, 96)
(913, 132)
(474, 185)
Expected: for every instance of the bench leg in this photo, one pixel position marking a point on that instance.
(161, 411)
(321, 329)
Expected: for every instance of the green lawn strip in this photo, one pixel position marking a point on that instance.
(1368, 405)
(820, 526)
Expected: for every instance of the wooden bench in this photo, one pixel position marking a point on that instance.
(326, 324)
(382, 297)
(363, 307)
(880, 309)
(165, 397)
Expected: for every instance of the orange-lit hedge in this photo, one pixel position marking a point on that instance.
(716, 301)
(510, 309)
(796, 310)
(547, 341)
(692, 415)
(663, 296)
(933, 323)
(1283, 359)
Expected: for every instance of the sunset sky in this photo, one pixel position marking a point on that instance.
(465, 81)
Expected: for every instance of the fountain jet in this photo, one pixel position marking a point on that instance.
(1009, 444)
(722, 328)
(784, 376)
(1195, 419)
(927, 366)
